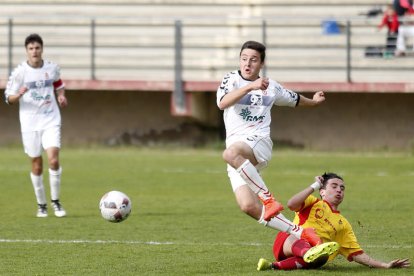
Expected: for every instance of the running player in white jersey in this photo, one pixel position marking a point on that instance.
(33, 84)
(247, 99)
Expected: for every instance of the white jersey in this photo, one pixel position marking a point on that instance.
(38, 106)
(251, 115)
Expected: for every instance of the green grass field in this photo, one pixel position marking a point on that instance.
(185, 220)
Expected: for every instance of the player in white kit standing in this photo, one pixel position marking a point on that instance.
(247, 99)
(33, 84)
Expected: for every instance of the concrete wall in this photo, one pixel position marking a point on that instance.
(360, 121)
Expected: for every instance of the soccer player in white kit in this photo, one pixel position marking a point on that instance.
(33, 84)
(247, 99)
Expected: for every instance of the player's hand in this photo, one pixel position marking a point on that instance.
(22, 91)
(62, 100)
(319, 97)
(317, 184)
(319, 179)
(404, 263)
(261, 83)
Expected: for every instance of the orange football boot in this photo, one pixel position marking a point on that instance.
(272, 208)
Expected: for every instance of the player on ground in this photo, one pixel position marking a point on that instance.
(33, 84)
(247, 99)
(324, 216)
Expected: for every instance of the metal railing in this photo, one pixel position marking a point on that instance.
(203, 48)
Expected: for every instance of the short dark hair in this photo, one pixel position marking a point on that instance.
(33, 38)
(327, 176)
(254, 45)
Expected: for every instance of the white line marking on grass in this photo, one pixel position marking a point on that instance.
(387, 246)
(129, 242)
(382, 173)
(85, 241)
(390, 246)
(191, 171)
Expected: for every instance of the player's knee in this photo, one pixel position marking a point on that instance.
(230, 155)
(54, 163)
(37, 165)
(37, 170)
(250, 208)
(227, 155)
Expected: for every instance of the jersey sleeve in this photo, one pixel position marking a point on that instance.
(302, 216)
(285, 97)
(16, 80)
(309, 201)
(57, 81)
(226, 86)
(348, 241)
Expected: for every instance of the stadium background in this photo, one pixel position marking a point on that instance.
(122, 91)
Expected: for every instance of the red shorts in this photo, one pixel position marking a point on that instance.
(278, 246)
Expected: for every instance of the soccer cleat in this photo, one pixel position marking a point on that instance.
(310, 235)
(271, 208)
(264, 264)
(324, 249)
(59, 211)
(41, 211)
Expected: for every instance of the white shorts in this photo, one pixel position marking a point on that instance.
(262, 150)
(35, 141)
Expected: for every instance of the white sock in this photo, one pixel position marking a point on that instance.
(281, 223)
(252, 177)
(39, 189)
(54, 180)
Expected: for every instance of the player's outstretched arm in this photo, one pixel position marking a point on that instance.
(364, 259)
(318, 98)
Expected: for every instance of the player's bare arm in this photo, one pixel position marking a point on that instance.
(62, 100)
(318, 98)
(234, 96)
(296, 201)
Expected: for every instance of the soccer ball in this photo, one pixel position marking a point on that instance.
(115, 206)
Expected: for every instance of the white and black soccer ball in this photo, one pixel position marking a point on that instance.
(115, 206)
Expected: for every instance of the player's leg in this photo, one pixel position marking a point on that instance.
(280, 222)
(51, 143)
(242, 155)
(250, 174)
(287, 245)
(38, 186)
(288, 254)
(316, 256)
(249, 204)
(55, 172)
(32, 147)
(295, 247)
